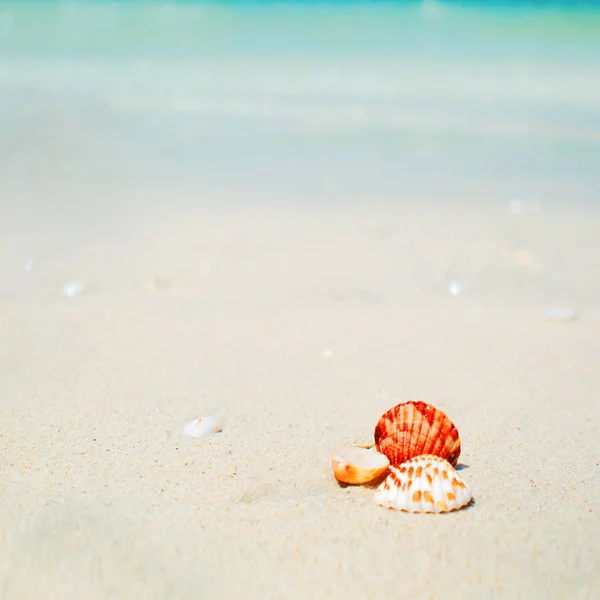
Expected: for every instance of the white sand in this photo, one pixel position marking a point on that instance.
(299, 327)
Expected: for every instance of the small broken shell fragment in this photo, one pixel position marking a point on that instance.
(456, 288)
(203, 427)
(414, 428)
(358, 465)
(561, 315)
(159, 284)
(522, 258)
(424, 484)
(73, 289)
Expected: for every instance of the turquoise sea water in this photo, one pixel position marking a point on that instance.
(347, 96)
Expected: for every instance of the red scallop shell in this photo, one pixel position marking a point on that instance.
(414, 428)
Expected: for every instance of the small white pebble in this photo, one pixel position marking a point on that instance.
(455, 288)
(158, 284)
(561, 315)
(203, 427)
(73, 289)
(522, 258)
(327, 353)
(29, 265)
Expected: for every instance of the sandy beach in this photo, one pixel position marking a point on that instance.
(298, 326)
(292, 216)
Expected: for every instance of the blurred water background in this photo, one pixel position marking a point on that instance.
(388, 99)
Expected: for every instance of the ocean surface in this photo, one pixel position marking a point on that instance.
(389, 99)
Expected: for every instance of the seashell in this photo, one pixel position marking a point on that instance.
(358, 465)
(424, 484)
(73, 289)
(203, 427)
(158, 284)
(561, 315)
(455, 288)
(414, 428)
(522, 258)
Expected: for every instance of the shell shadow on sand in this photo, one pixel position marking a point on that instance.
(375, 483)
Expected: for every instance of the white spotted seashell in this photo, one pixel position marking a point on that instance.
(203, 427)
(424, 484)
